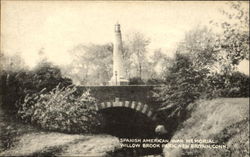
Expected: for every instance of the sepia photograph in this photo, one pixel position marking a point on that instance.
(124, 78)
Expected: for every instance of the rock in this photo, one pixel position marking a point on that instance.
(160, 130)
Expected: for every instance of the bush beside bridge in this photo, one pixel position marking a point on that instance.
(60, 110)
(15, 85)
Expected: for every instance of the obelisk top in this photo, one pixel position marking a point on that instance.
(117, 27)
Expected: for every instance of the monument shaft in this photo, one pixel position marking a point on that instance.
(118, 66)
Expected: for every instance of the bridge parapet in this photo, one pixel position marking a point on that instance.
(137, 93)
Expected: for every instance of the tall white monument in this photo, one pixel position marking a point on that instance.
(118, 77)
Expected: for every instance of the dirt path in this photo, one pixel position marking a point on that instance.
(18, 139)
(59, 144)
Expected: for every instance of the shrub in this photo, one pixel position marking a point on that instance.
(16, 84)
(235, 84)
(11, 89)
(136, 81)
(48, 76)
(61, 110)
(182, 85)
(154, 81)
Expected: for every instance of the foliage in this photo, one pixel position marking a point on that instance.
(12, 62)
(11, 129)
(92, 64)
(48, 76)
(158, 64)
(193, 75)
(16, 84)
(154, 81)
(233, 40)
(136, 81)
(223, 120)
(134, 54)
(204, 64)
(234, 84)
(199, 43)
(11, 90)
(60, 110)
(182, 85)
(193, 72)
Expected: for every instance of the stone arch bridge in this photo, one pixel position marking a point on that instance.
(127, 110)
(139, 98)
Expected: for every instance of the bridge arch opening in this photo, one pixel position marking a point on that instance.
(126, 123)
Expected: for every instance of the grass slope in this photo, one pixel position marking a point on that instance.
(223, 120)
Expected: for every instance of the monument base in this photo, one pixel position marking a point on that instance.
(118, 82)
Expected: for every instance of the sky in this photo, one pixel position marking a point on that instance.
(58, 26)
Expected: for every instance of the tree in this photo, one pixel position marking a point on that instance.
(233, 84)
(154, 81)
(233, 40)
(158, 64)
(136, 81)
(15, 85)
(179, 82)
(92, 64)
(135, 49)
(199, 43)
(46, 75)
(182, 86)
(101, 60)
(12, 62)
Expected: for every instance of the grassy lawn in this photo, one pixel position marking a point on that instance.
(224, 120)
